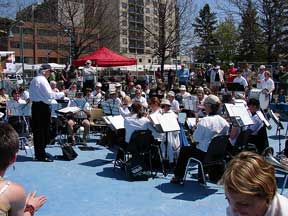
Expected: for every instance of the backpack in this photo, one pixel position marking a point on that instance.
(68, 152)
(137, 169)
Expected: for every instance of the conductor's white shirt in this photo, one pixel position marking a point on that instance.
(40, 90)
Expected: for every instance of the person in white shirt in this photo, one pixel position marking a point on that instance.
(170, 150)
(88, 75)
(14, 109)
(80, 117)
(174, 103)
(125, 106)
(260, 76)
(41, 95)
(98, 94)
(242, 81)
(139, 98)
(216, 79)
(207, 128)
(268, 84)
(250, 187)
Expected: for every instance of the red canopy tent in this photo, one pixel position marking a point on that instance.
(104, 57)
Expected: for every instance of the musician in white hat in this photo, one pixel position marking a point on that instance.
(174, 103)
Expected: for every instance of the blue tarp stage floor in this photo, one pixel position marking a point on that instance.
(89, 186)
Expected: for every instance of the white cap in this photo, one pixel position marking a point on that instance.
(98, 84)
(88, 62)
(165, 102)
(262, 67)
(217, 67)
(171, 93)
(182, 87)
(231, 64)
(117, 85)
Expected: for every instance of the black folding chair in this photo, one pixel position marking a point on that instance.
(138, 147)
(214, 157)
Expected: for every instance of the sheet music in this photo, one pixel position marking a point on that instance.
(169, 122)
(154, 118)
(262, 117)
(190, 103)
(66, 110)
(239, 110)
(182, 117)
(191, 122)
(116, 121)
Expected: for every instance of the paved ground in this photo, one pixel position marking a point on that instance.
(89, 186)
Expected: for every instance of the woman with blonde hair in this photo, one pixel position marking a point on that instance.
(250, 187)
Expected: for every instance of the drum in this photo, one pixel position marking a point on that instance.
(259, 94)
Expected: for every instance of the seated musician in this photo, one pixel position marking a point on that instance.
(121, 94)
(72, 90)
(139, 98)
(53, 85)
(207, 128)
(24, 94)
(174, 103)
(170, 150)
(125, 106)
(98, 94)
(253, 106)
(80, 118)
(113, 98)
(137, 121)
(183, 93)
(130, 89)
(14, 111)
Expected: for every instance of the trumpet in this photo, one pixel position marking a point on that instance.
(268, 155)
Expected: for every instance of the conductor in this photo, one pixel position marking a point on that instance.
(41, 95)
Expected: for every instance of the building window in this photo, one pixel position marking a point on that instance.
(147, 10)
(14, 44)
(124, 31)
(140, 60)
(27, 31)
(124, 50)
(44, 32)
(147, 18)
(124, 22)
(149, 60)
(124, 40)
(147, 1)
(124, 5)
(124, 14)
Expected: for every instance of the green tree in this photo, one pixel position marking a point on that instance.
(251, 48)
(227, 37)
(205, 26)
(273, 21)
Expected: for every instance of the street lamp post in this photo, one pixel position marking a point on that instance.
(68, 31)
(20, 24)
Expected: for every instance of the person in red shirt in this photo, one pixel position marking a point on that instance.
(231, 73)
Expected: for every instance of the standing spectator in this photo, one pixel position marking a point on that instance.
(171, 77)
(41, 95)
(183, 75)
(65, 76)
(231, 73)
(268, 84)
(260, 76)
(88, 75)
(208, 73)
(216, 79)
(246, 71)
(242, 81)
(283, 78)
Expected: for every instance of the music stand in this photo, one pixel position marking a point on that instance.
(279, 128)
(235, 87)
